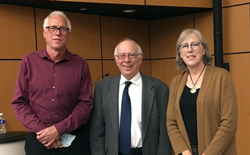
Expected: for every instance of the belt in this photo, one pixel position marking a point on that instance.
(134, 151)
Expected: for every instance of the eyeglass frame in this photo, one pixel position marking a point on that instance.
(58, 28)
(188, 45)
(129, 55)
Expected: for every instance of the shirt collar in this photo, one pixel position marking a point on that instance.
(67, 55)
(135, 80)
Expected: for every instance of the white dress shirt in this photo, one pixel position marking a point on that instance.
(135, 94)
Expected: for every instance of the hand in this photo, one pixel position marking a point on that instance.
(187, 152)
(48, 136)
(55, 145)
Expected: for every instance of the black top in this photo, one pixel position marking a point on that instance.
(189, 113)
(13, 136)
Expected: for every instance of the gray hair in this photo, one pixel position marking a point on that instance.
(207, 58)
(59, 13)
(139, 50)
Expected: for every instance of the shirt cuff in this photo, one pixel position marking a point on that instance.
(61, 128)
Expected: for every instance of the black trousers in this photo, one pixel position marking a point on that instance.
(134, 151)
(195, 150)
(80, 145)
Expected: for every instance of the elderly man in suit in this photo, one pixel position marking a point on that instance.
(129, 115)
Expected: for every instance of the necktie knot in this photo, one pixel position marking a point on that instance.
(127, 83)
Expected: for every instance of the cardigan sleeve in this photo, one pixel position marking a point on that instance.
(229, 116)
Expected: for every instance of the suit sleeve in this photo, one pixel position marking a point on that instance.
(229, 116)
(164, 147)
(97, 128)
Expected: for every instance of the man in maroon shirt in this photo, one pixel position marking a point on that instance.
(53, 94)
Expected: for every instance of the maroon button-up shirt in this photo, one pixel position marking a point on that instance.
(49, 93)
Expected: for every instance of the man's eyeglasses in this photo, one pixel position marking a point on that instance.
(193, 45)
(130, 55)
(53, 29)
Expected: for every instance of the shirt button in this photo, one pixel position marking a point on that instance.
(54, 75)
(52, 112)
(53, 87)
(53, 99)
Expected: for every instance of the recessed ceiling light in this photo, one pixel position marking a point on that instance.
(83, 9)
(128, 11)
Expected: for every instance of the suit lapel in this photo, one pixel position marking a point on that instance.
(147, 102)
(113, 94)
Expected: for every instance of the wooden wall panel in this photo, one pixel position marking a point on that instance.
(95, 67)
(236, 29)
(146, 67)
(204, 23)
(8, 70)
(164, 70)
(233, 2)
(85, 34)
(41, 14)
(109, 66)
(182, 3)
(17, 31)
(134, 2)
(164, 34)
(239, 69)
(114, 29)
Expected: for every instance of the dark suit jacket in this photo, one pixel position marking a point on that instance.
(104, 130)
